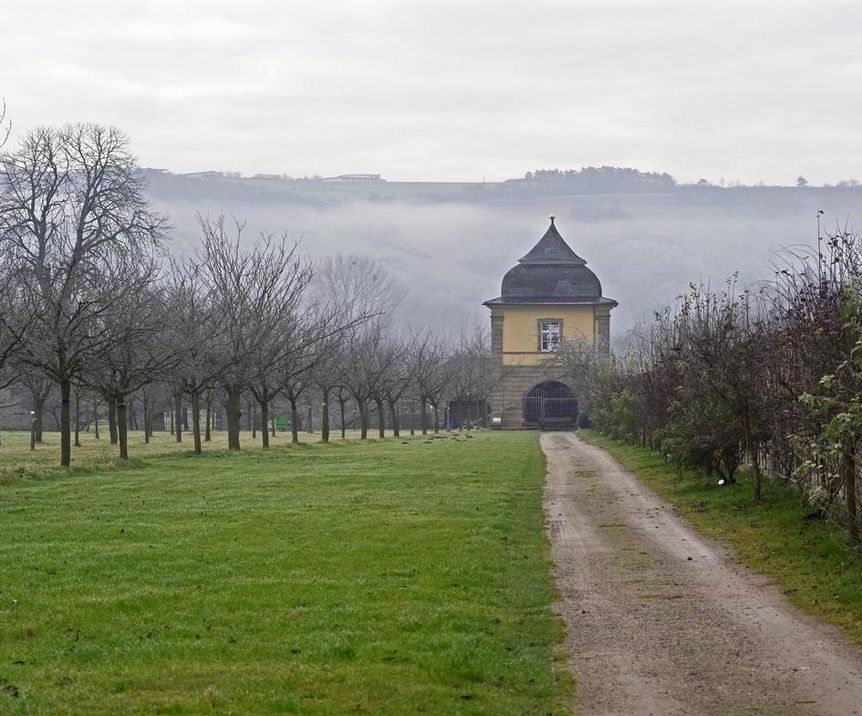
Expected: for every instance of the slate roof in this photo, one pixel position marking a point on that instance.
(551, 273)
(552, 249)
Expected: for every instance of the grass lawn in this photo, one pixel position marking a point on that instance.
(809, 559)
(17, 460)
(394, 576)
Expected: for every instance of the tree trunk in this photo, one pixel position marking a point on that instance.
(234, 415)
(147, 419)
(38, 410)
(112, 420)
(96, 419)
(324, 417)
(342, 402)
(196, 421)
(412, 419)
(393, 412)
(423, 418)
(294, 421)
(122, 427)
(77, 420)
(252, 419)
(757, 477)
(363, 420)
(756, 474)
(272, 418)
(381, 418)
(848, 468)
(178, 417)
(264, 421)
(65, 432)
(209, 417)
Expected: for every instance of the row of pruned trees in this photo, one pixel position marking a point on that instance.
(769, 377)
(92, 303)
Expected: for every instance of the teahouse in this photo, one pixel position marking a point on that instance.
(549, 297)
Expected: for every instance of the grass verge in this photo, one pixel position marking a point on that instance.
(398, 576)
(809, 559)
(18, 462)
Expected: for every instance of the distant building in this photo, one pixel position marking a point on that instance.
(356, 178)
(550, 296)
(15, 404)
(204, 175)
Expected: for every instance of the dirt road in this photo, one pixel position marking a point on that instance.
(662, 621)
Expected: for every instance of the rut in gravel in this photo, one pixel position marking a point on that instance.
(662, 621)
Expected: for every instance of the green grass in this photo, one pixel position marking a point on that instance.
(17, 460)
(384, 577)
(809, 559)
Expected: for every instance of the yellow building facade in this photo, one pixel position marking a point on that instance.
(522, 328)
(550, 297)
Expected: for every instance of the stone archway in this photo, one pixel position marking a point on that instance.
(548, 404)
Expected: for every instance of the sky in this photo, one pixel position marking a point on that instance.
(450, 91)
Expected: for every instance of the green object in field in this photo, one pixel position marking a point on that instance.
(282, 423)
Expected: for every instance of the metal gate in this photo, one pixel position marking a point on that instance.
(550, 404)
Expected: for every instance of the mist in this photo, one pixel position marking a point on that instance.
(451, 244)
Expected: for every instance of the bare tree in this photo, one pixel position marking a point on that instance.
(368, 362)
(399, 380)
(294, 381)
(15, 325)
(325, 375)
(356, 287)
(288, 365)
(352, 290)
(433, 376)
(392, 382)
(138, 351)
(473, 378)
(39, 386)
(72, 204)
(195, 328)
(5, 124)
(255, 292)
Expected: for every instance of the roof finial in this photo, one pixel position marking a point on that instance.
(552, 219)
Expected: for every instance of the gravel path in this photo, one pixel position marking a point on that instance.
(663, 621)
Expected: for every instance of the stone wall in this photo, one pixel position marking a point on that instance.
(512, 384)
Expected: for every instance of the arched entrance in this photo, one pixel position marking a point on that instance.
(550, 404)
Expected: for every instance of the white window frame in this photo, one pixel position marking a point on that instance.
(550, 334)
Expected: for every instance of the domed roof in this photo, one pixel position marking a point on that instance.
(551, 273)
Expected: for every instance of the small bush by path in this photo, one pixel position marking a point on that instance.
(397, 576)
(809, 559)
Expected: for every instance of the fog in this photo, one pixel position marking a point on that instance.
(450, 252)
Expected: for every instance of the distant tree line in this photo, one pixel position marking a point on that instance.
(96, 310)
(593, 180)
(768, 378)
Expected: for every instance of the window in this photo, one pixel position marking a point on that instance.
(549, 336)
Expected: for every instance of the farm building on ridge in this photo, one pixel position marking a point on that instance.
(549, 297)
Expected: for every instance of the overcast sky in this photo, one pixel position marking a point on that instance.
(450, 90)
